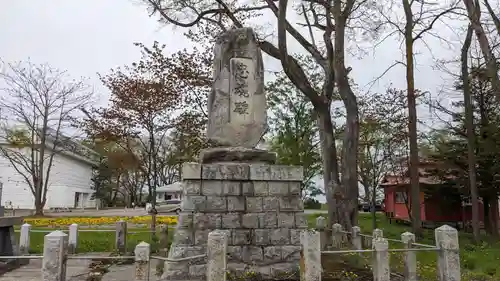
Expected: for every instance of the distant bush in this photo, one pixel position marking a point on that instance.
(311, 203)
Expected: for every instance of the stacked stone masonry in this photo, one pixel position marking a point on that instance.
(259, 207)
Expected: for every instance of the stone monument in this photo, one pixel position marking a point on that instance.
(235, 187)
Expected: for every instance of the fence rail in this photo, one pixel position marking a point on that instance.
(57, 247)
(60, 247)
(315, 243)
(121, 231)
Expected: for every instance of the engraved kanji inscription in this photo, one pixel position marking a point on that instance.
(241, 79)
(241, 107)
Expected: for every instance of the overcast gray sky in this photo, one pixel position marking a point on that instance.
(89, 36)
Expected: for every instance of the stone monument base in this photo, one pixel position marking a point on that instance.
(258, 205)
(237, 154)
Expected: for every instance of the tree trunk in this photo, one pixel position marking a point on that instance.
(471, 135)
(329, 156)
(38, 206)
(486, 211)
(373, 210)
(349, 189)
(412, 122)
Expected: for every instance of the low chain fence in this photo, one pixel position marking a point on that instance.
(314, 244)
(58, 250)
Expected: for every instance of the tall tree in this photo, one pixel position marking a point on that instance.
(38, 104)
(419, 20)
(471, 135)
(323, 18)
(454, 149)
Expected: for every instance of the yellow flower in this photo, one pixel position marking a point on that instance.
(55, 222)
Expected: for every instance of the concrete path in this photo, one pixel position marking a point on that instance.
(76, 270)
(127, 273)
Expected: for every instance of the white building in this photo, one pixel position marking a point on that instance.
(169, 192)
(69, 183)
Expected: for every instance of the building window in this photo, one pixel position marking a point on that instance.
(400, 197)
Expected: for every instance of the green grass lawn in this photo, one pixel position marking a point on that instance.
(481, 262)
(101, 241)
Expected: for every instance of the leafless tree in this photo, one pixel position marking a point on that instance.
(419, 19)
(471, 135)
(38, 104)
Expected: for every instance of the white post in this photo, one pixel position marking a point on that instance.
(321, 227)
(121, 237)
(142, 252)
(24, 239)
(311, 255)
(410, 257)
(337, 236)
(217, 252)
(55, 247)
(73, 238)
(356, 238)
(449, 256)
(381, 270)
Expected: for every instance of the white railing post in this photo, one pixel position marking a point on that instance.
(55, 247)
(410, 271)
(73, 238)
(449, 256)
(337, 236)
(142, 252)
(381, 270)
(311, 254)
(121, 237)
(217, 256)
(24, 242)
(321, 227)
(24, 239)
(356, 237)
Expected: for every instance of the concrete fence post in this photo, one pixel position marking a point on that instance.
(73, 238)
(337, 236)
(142, 252)
(55, 248)
(376, 234)
(24, 242)
(121, 237)
(448, 255)
(381, 270)
(163, 249)
(24, 239)
(321, 227)
(356, 237)
(217, 256)
(410, 271)
(311, 256)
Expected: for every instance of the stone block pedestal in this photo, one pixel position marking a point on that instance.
(258, 205)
